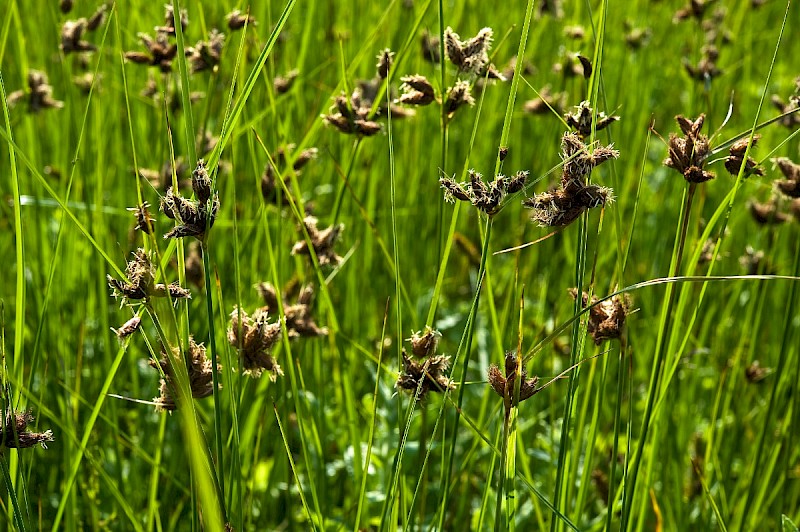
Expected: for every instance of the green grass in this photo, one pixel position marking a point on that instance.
(660, 427)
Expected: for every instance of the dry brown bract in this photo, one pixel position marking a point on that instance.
(504, 385)
(128, 328)
(282, 84)
(606, 319)
(562, 206)
(755, 372)
(485, 197)
(322, 241)
(428, 375)
(200, 375)
(688, 154)
(14, 431)
(194, 216)
(297, 317)
(733, 163)
(254, 337)
(40, 95)
(141, 281)
(791, 170)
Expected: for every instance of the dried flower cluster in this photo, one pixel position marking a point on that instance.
(688, 154)
(792, 120)
(160, 51)
(790, 185)
(39, 95)
(296, 316)
(254, 336)
(504, 385)
(128, 328)
(733, 163)
(141, 284)
(581, 117)
(237, 20)
(286, 162)
(485, 197)
(72, 32)
(322, 242)
(144, 220)
(469, 55)
(205, 55)
(199, 370)
(706, 68)
(606, 319)
(428, 372)
(193, 217)
(546, 101)
(282, 84)
(14, 431)
(562, 206)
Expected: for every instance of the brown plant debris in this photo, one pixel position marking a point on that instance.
(580, 119)
(606, 319)
(255, 337)
(688, 154)
(140, 283)
(194, 217)
(297, 316)
(733, 163)
(504, 385)
(39, 95)
(322, 241)
(201, 382)
(791, 171)
(14, 431)
(562, 206)
(486, 197)
(428, 375)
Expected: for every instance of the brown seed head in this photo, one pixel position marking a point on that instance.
(606, 319)
(322, 241)
(504, 385)
(791, 171)
(254, 337)
(423, 376)
(424, 343)
(199, 370)
(14, 431)
(236, 20)
(416, 90)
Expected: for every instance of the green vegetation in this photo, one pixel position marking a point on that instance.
(491, 283)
